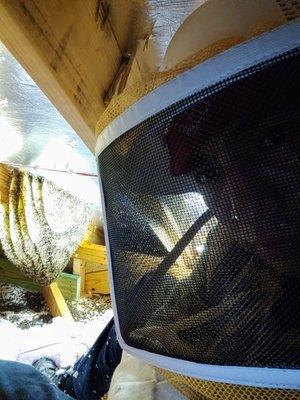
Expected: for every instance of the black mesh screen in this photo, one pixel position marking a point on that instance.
(202, 204)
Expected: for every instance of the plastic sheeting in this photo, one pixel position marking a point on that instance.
(167, 16)
(33, 134)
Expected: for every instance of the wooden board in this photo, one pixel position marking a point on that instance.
(56, 301)
(69, 284)
(15, 278)
(70, 50)
(97, 282)
(79, 269)
(94, 235)
(94, 267)
(95, 253)
(91, 259)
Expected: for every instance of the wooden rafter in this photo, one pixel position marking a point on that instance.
(71, 49)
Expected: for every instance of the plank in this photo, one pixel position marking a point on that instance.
(92, 247)
(56, 301)
(94, 235)
(8, 265)
(94, 267)
(69, 50)
(129, 28)
(79, 269)
(69, 284)
(95, 253)
(97, 282)
(15, 278)
(94, 259)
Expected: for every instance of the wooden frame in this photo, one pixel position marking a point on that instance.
(90, 261)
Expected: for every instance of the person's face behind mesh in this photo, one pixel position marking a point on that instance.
(242, 146)
(249, 177)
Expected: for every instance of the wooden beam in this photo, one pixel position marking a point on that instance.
(69, 284)
(94, 266)
(70, 50)
(79, 269)
(95, 253)
(97, 282)
(14, 277)
(56, 301)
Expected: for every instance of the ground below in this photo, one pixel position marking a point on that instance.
(28, 330)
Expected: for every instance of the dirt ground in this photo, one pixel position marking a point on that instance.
(28, 330)
(27, 309)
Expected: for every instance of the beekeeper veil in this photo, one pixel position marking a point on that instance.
(201, 185)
